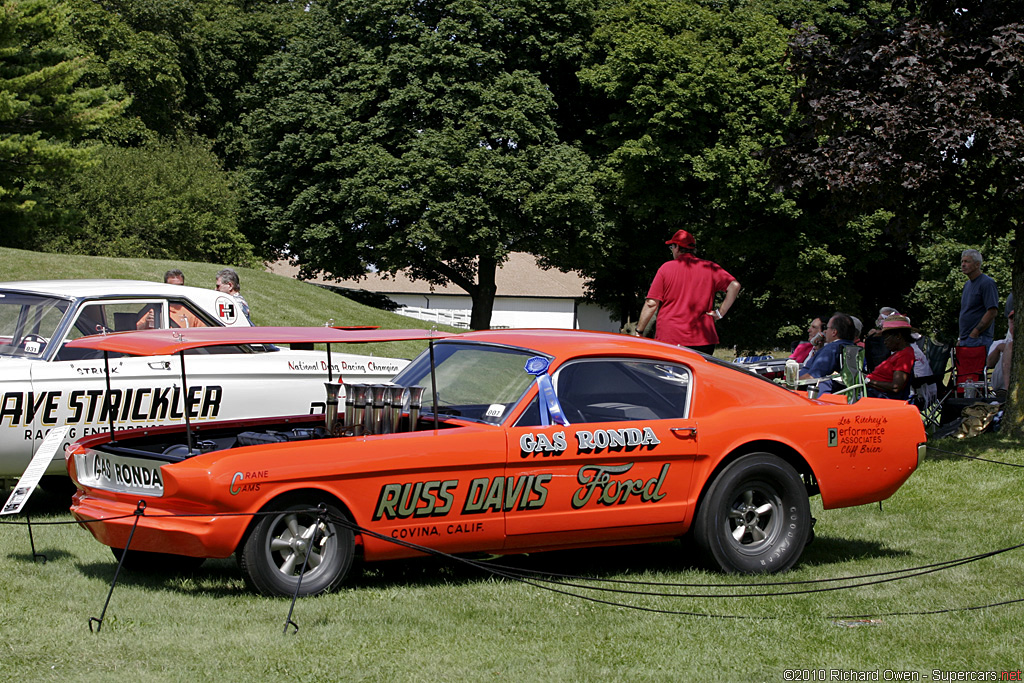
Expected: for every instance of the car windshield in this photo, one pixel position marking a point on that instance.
(28, 323)
(480, 382)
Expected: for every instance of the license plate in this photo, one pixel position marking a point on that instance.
(119, 473)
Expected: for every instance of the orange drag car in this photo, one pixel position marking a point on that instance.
(500, 442)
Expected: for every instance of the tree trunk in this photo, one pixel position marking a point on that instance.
(483, 293)
(1013, 418)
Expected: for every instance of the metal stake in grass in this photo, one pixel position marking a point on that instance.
(140, 510)
(320, 520)
(31, 541)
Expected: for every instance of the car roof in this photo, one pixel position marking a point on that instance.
(167, 342)
(566, 343)
(93, 288)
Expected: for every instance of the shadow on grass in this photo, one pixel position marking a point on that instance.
(50, 554)
(645, 559)
(827, 550)
(217, 578)
(223, 578)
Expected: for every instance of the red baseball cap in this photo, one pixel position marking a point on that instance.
(683, 239)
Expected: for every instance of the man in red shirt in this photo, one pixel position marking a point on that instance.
(683, 296)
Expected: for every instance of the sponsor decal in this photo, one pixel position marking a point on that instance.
(602, 484)
(616, 439)
(431, 530)
(593, 442)
(134, 475)
(368, 366)
(419, 499)
(95, 406)
(860, 435)
(542, 443)
(247, 482)
(503, 494)
(437, 498)
(89, 370)
(227, 309)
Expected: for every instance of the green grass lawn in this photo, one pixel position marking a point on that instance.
(433, 619)
(443, 620)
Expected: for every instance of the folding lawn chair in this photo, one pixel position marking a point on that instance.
(969, 368)
(928, 389)
(850, 381)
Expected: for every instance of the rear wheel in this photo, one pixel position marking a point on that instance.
(755, 518)
(273, 555)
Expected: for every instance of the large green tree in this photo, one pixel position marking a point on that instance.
(693, 93)
(921, 118)
(182, 61)
(45, 110)
(426, 136)
(163, 199)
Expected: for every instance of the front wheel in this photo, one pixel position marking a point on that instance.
(755, 518)
(273, 555)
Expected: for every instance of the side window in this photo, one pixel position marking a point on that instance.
(101, 318)
(116, 316)
(180, 314)
(617, 390)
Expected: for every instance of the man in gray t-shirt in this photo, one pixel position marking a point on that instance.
(979, 302)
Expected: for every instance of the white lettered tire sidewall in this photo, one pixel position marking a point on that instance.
(755, 517)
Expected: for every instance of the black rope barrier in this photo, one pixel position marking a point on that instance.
(561, 583)
(540, 581)
(974, 457)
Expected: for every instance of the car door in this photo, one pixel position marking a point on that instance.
(620, 470)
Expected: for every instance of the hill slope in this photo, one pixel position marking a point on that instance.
(273, 299)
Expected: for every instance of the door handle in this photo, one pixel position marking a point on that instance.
(160, 365)
(684, 431)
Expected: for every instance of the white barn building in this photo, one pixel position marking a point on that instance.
(527, 296)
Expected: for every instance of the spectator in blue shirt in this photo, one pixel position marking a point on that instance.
(839, 333)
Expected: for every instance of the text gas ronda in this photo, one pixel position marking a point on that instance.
(588, 441)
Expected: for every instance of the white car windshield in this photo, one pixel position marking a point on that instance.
(28, 323)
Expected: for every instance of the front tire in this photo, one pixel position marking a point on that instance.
(755, 518)
(272, 556)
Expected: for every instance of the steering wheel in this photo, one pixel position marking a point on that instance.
(33, 339)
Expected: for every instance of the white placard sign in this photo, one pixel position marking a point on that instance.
(35, 470)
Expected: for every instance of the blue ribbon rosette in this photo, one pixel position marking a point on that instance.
(550, 410)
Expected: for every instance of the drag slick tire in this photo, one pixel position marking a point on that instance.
(272, 556)
(755, 518)
(156, 563)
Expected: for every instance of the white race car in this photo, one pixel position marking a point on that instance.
(44, 384)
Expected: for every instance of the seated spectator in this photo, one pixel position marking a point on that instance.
(838, 333)
(891, 379)
(999, 358)
(922, 368)
(858, 337)
(805, 350)
(883, 313)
